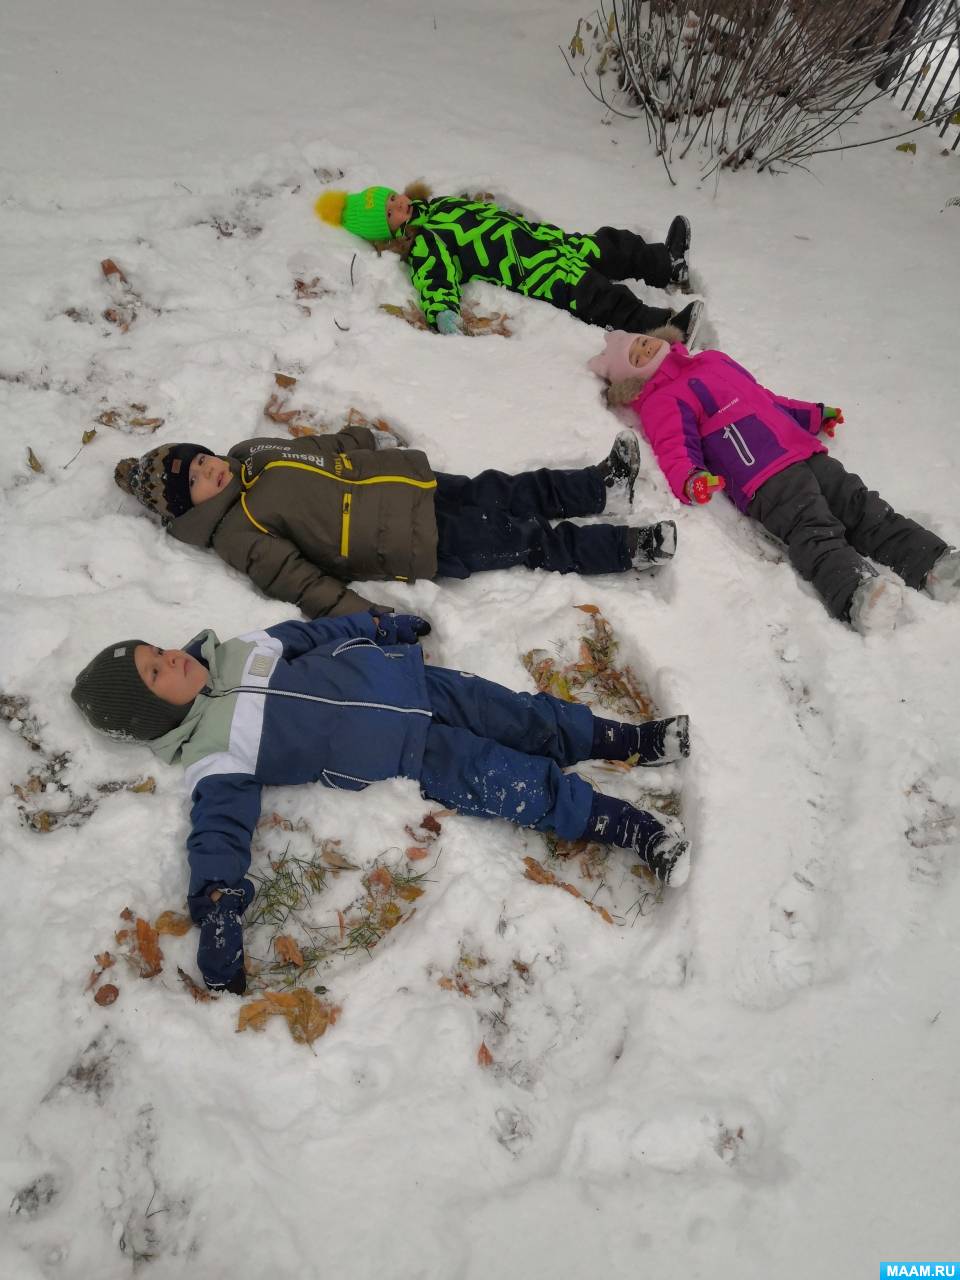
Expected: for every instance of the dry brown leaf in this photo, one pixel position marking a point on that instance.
(199, 993)
(332, 858)
(284, 380)
(107, 994)
(307, 1016)
(144, 788)
(416, 853)
(148, 944)
(95, 976)
(484, 1056)
(127, 914)
(381, 878)
(105, 960)
(110, 268)
(390, 915)
(88, 435)
(342, 924)
(619, 766)
(446, 983)
(33, 461)
(409, 892)
(587, 608)
(357, 418)
(429, 823)
(298, 431)
(122, 936)
(130, 418)
(287, 951)
(537, 872)
(42, 821)
(309, 289)
(173, 923)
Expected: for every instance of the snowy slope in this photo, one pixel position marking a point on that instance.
(755, 1076)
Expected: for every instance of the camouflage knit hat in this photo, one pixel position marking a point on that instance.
(161, 478)
(113, 698)
(364, 212)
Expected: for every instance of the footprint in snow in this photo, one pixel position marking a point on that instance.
(788, 953)
(685, 1136)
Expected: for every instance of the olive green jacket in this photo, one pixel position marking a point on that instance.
(303, 518)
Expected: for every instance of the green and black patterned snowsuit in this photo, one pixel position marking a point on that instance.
(456, 240)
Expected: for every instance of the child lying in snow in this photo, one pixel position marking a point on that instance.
(452, 239)
(712, 426)
(346, 702)
(302, 518)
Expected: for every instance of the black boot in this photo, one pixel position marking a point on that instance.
(656, 839)
(622, 463)
(688, 321)
(652, 544)
(653, 744)
(677, 241)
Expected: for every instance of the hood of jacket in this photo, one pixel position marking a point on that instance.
(198, 525)
(170, 747)
(678, 361)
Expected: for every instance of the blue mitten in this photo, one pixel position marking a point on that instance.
(220, 953)
(449, 322)
(400, 628)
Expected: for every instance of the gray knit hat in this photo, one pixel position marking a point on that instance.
(113, 698)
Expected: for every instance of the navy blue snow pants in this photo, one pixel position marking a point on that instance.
(498, 754)
(495, 521)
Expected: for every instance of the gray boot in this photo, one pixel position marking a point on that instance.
(876, 605)
(943, 580)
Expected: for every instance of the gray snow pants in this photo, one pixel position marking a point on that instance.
(829, 521)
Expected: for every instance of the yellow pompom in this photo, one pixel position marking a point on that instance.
(329, 206)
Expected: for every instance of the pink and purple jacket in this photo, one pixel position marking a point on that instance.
(707, 413)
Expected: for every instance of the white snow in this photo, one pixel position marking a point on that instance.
(758, 1077)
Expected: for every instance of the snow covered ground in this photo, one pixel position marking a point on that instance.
(757, 1076)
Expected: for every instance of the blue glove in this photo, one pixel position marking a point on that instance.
(400, 628)
(449, 322)
(220, 953)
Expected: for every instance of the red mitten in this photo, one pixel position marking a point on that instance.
(702, 485)
(832, 418)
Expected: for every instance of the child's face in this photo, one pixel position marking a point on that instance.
(399, 209)
(170, 673)
(208, 476)
(642, 350)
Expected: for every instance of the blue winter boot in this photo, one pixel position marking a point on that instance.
(657, 839)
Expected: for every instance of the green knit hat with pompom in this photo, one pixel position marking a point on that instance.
(362, 212)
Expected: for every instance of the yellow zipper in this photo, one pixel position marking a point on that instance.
(345, 526)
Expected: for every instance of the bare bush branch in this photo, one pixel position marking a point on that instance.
(762, 81)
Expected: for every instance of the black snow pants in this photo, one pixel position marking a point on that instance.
(596, 299)
(830, 521)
